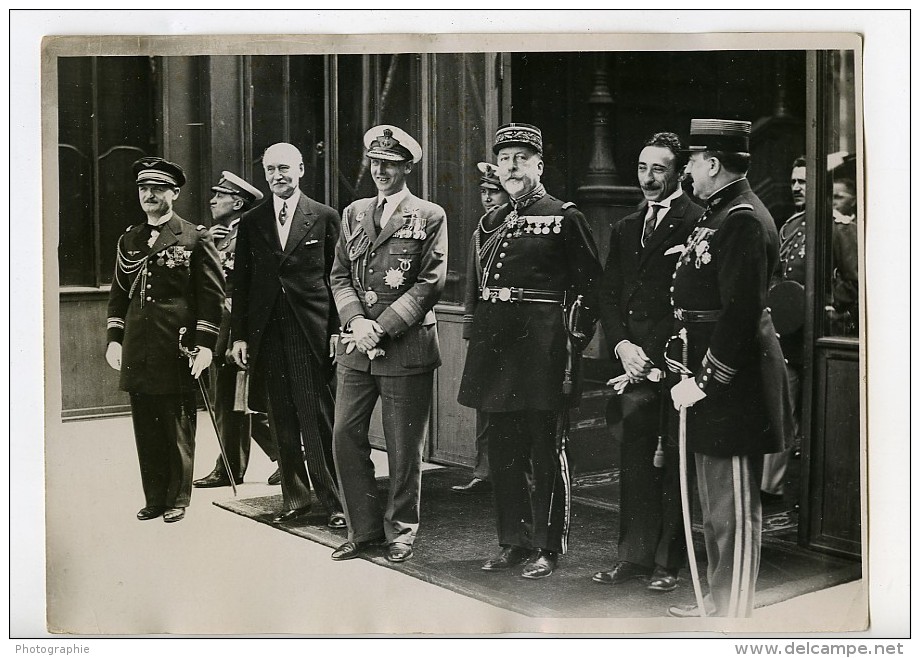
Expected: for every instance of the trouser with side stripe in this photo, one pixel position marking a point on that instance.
(729, 490)
(530, 480)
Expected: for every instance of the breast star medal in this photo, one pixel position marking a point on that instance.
(394, 278)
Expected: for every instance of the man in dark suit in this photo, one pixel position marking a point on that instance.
(635, 309)
(534, 257)
(233, 196)
(389, 272)
(167, 278)
(282, 320)
(737, 398)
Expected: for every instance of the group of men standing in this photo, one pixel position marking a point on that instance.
(310, 290)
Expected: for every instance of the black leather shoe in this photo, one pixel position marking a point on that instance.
(621, 573)
(351, 549)
(216, 478)
(542, 564)
(337, 521)
(474, 486)
(150, 512)
(399, 552)
(174, 514)
(663, 580)
(275, 478)
(291, 515)
(510, 556)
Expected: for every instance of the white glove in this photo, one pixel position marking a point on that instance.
(113, 355)
(201, 361)
(686, 393)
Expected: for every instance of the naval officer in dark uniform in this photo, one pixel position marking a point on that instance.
(737, 398)
(536, 255)
(167, 277)
(389, 272)
(233, 196)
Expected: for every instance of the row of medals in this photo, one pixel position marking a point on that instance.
(535, 225)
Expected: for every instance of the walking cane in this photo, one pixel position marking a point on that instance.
(207, 403)
(681, 368)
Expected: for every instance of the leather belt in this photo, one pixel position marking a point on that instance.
(684, 315)
(522, 295)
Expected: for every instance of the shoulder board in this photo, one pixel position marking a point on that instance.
(741, 206)
(127, 230)
(568, 204)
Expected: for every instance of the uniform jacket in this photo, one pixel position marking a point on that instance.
(792, 268)
(517, 351)
(729, 259)
(262, 269)
(175, 283)
(635, 298)
(395, 278)
(226, 250)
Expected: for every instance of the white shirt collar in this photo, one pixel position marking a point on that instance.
(667, 202)
(162, 220)
(291, 202)
(393, 202)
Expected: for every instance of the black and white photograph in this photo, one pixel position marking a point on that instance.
(454, 334)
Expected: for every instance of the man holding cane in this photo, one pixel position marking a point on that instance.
(167, 278)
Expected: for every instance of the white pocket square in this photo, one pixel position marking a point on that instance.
(676, 249)
(309, 242)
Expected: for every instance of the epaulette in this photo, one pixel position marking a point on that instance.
(568, 204)
(131, 227)
(741, 206)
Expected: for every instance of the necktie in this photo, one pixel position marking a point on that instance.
(650, 222)
(282, 216)
(378, 215)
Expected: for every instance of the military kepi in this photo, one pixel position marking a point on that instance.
(518, 134)
(157, 171)
(386, 142)
(489, 178)
(230, 183)
(719, 135)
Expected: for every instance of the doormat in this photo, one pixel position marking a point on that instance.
(457, 534)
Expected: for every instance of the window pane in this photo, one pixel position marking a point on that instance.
(460, 134)
(841, 278)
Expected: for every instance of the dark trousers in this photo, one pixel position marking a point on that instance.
(406, 406)
(530, 480)
(651, 524)
(299, 412)
(164, 431)
(237, 429)
(481, 469)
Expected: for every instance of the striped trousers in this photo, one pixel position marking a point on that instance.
(300, 411)
(729, 489)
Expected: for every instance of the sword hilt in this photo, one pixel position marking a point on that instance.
(183, 350)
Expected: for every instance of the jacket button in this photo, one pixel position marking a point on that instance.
(370, 270)
(496, 277)
(498, 264)
(373, 254)
(149, 286)
(504, 244)
(501, 255)
(148, 298)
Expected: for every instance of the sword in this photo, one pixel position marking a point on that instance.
(191, 354)
(681, 368)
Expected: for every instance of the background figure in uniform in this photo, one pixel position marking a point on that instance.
(232, 197)
(390, 269)
(844, 310)
(635, 310)
(737, 398)
(492, 195)
(536, 256)
(167, 278)
(282, 321)
(788, 308)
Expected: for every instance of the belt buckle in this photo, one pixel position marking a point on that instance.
(504, 294)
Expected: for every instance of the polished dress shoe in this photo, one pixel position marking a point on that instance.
(663, 580)
(688, 611)
(352, 549)
(291, 515)
(510, 556)
(216, 478)
(542, 564)
(275, 478)
(337, 521)
(474, 486)
(399, 552)
(621, 573)
(150, 512)
(174, 514)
